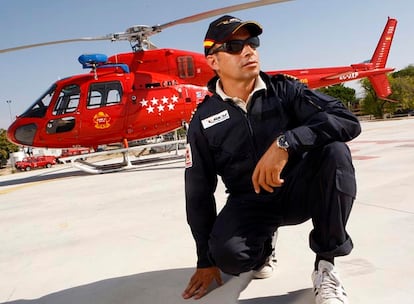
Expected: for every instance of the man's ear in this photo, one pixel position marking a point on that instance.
(212, 62)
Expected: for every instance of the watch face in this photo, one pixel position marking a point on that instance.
(282, 142)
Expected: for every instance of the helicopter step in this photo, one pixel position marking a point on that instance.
(79, 161)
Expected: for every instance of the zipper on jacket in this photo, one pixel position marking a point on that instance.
(249, 127)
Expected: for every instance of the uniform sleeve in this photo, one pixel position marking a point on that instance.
(200, 185)
(321, 119)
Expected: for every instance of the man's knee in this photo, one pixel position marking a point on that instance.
(231, 256)
(337, 154)
(338, 160)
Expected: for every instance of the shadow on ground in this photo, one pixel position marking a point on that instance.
(60, 173)
(50, 174)
(158, 287)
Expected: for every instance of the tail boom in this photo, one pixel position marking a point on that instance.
(375, 70)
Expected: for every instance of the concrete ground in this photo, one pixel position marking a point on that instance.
(69, 237)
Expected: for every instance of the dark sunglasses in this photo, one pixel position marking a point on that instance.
(236, 46)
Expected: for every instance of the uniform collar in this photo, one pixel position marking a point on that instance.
(259, 85)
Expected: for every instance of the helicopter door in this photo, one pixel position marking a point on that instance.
(63, 122)
(105, 112)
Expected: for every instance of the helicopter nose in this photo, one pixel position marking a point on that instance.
(24, 134)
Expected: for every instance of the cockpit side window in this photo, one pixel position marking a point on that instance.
(68, 100)
(104, 94)
(185, 66)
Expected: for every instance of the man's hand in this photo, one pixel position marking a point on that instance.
(200, 281)
(266, 175)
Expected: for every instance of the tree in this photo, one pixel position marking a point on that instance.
(371, 104)
(402, 87)
(402, 84)
(406, 72)
(343, 93)
(6, 147)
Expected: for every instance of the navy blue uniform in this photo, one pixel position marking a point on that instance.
(319, 177)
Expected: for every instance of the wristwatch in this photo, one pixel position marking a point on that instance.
(282, 142)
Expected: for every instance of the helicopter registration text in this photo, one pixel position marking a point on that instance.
(349, 76)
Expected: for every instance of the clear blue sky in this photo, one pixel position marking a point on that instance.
(297, 34)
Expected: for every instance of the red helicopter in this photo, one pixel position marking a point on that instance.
(150, 91)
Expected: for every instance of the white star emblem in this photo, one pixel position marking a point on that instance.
(150, 109)
(160, 108)
(171, 106)
(143, 102)
(174, 98)
(164, 100)
(154, 101)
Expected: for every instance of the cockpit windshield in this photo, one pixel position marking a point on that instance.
(38, 109)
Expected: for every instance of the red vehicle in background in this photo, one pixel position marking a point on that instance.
(75, 151)
(33, 162)
(72, 152)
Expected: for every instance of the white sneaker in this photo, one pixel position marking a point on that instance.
(269, 266)
(267, 269)
(327, 286)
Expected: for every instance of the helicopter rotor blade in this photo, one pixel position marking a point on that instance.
(108, 37)
(143, 32)
(139, 34)
(219, 11)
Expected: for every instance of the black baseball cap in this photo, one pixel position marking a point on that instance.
(222, 28)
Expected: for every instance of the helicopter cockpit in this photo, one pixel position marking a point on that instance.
(39, 108)
(67, 101)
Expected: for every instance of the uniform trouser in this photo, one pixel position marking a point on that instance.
(320, 187)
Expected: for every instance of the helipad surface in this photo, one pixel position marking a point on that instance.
(69, 237)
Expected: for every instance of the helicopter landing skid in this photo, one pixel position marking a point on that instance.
(79, 162)
(108, 168)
